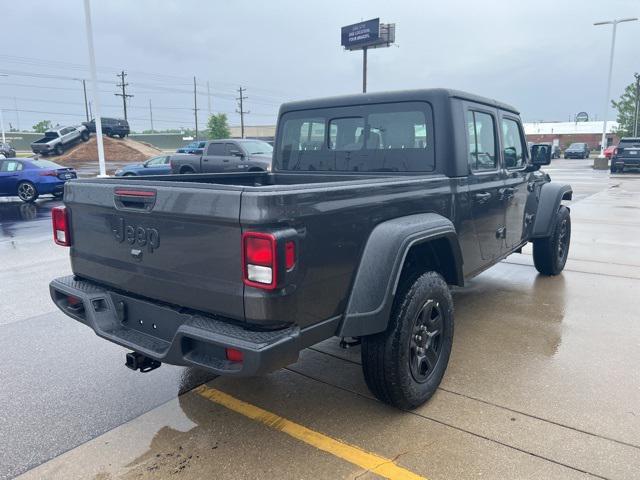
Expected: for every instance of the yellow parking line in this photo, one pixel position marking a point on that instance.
(369, 461)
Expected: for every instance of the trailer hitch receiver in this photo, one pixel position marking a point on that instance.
(137, 361)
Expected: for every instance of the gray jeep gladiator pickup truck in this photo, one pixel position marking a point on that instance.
(377, 203)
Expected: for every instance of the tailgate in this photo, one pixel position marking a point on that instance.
(176, 244)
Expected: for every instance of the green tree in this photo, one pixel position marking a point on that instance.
(626, 107)
(42, 126)
(218, 127)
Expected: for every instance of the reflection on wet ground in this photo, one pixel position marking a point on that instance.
(19, 217)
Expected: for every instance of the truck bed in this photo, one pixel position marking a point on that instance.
(199, 221)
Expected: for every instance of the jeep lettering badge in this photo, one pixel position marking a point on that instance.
(136, 235)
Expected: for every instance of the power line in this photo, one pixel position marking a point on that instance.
(124, 93)
(242, 112)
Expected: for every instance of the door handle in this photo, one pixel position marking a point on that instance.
(225, 161)
(482, 197)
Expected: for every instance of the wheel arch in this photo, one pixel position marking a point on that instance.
(551, 196)
(415, 241)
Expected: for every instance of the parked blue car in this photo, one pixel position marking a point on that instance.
(154, 166)
(195, 148)
(28, 179)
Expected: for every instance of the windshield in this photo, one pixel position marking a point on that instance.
(45, 164)
(576, 145)
(256, 147)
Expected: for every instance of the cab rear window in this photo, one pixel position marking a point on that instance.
(389, 137)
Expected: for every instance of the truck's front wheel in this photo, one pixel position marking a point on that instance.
(550, 253)
(404, 365)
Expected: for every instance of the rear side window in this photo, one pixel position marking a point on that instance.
(513, 148)
(390, 137)
(10, 166)
(482, 141)
(215, 149)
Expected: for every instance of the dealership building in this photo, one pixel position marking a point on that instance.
(565, 133)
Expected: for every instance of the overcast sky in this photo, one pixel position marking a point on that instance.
(543, 56)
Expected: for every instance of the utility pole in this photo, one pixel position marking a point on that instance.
(242, 112)
(603, 143)
(151, 115)
(90, 110)
(124, 93)
(208, 98)
(195, 105)
(15, 106)
(86, 107)
(635, 115)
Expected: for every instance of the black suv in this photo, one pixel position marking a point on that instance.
(110, 126)
(626, 154)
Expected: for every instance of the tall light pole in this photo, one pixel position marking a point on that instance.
(1, 116)
(603, 143)
(94, 87)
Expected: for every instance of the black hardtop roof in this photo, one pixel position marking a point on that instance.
(425, 94)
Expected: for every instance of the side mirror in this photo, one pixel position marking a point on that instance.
(540, 155)
(145, 164)
(236, 153)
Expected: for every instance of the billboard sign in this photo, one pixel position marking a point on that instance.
(361, 34)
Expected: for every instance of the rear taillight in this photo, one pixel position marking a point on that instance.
(234, 355)
(48, 173)
(60, 226)
(259, 260)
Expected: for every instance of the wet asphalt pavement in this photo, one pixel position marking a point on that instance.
(543, 380)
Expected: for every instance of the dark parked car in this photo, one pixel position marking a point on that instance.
(154, 166)
(577, 150)
(230, 155)
(626, 155)
(6, 151)
(29, 179)
(376, 204)
(111, 127)
(193, 147)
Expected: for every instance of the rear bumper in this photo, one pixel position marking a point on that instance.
(170, 335)
(626, 162)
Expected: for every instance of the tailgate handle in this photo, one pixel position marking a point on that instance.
(134, 199)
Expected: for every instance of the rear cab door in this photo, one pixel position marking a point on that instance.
(213, 159)
(485, 178)
(515, 192)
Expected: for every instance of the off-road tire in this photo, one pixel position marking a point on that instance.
(550, 253)
(27, 192)
(85, 136)
(121, 135)
(59, 150)
(387, 356)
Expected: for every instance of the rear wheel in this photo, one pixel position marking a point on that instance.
(27, 192)
(129, 174)
(59, 150)
(85, 136)
(404, 365)
(185, 170)
(550, 253)
(121, 135)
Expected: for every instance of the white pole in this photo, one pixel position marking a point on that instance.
(603, 143)
(2, 126)
(94, 87)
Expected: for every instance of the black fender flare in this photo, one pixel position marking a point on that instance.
(376, 281)
(551, 196)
